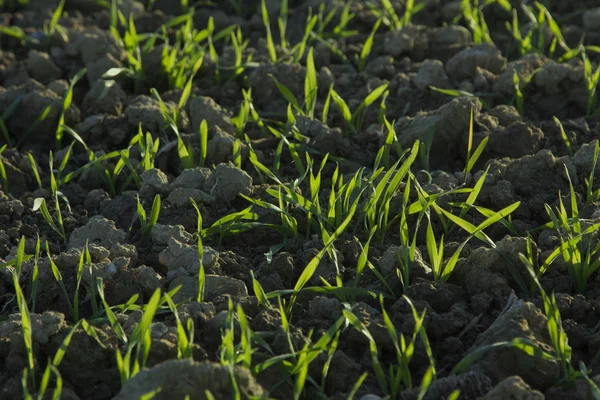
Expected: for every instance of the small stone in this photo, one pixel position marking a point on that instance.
(228, 181)
(464, 64)
(178, 255)
(121, 263)
(147, 279)
(156, 179)
(431, 73)
(131, 8)
(513, 387)
(325, 308)
(214, 286)
(205, 108)
(59, 86)
(98, 67)
(176, 273)
(162, 233)
(449, 122)
(124, 250)
(520, 320)
(146, 110)
(98, 230)
(591, 19)
(94, 198)
(41, 67)
(220, 147)
(389, 263)
(181, 197)
(104, 97)
(584, 158)
(193, 178)
(178, 379)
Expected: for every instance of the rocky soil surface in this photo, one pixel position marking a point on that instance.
(122, 122)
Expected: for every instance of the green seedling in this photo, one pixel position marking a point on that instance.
(310, 89)
(66, 104)
(236, 153)
(19, 34)
(52, 27)
(534, 40)
(289, 224)
(593, 387)
(233, 224)
(297, 52)
(354, 120)
(591, 78)
(387, 14)
(361, 60)
(185, 153)
(91, 285)
(59, 279)
(147, 223)
(26, 326)
(556, 332)
(40, 204)
(400, 375)
(85, 259)
(227, 349)
(201, 273)
(376, 212)
(35, 274)
(591, 195)
(179, 60)
(130, 364)
(530, 261)
(282, 24)
(212, 51)
(239, 67)
(148, 148)
(579, 246)
(472, 14)
(441, 270)
(564, 137)
(518, 94)
(473, 157)
(309, 271)
(78, 286)
(462, 93)
(4, 117)
(478, 232)
(340, 30)
(203, 132)
(35, 170)
(185, 341)
(3, 174)
(391, 143)
(314, 186)
(110, 177)
(270, 43)
(244, 115)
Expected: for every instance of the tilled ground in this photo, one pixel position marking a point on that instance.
(74, 99)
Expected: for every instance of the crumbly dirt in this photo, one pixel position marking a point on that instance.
(529, 158)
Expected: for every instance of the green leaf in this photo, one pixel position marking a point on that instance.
(287, 93)
(310, 85)
(522, 344)
(155, 211)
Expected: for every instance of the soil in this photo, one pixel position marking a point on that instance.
(527, 157)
